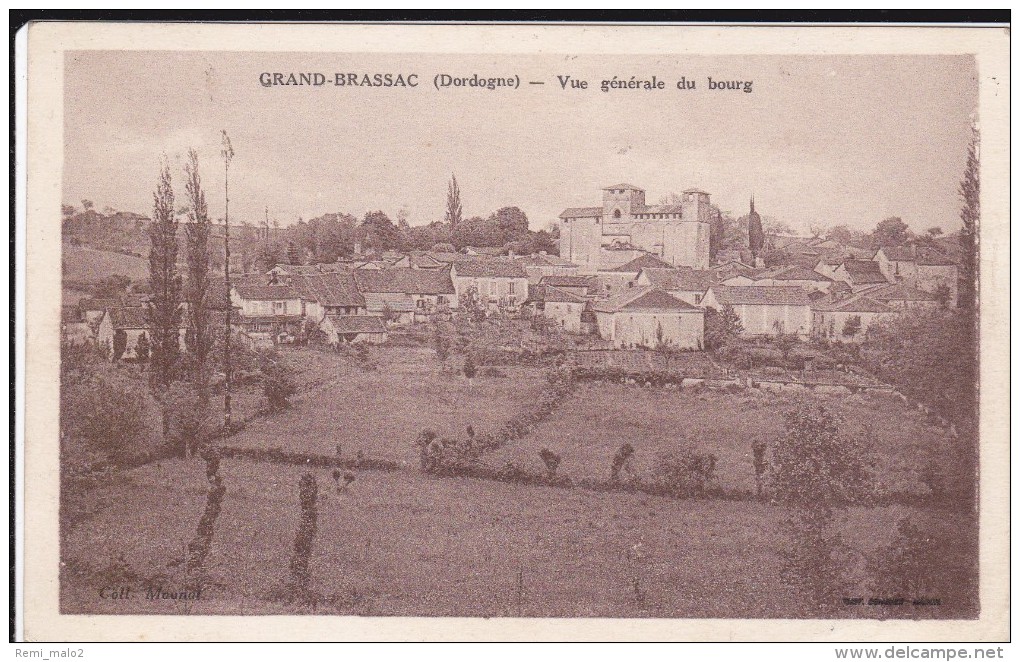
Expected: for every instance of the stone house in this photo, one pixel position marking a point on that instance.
(340, 329)
(564, 308)
(647, 317)
(764, 310)
(499, 283)
(617, 279)
(406, 294)
(684, 283)
(860, 274)
(793, 276)
(849, 319)
(920, 267)
(901, 296)
(133, 323)
(579, 286)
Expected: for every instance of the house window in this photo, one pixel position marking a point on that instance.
(279, 307)
(511, 288)
(616, 213)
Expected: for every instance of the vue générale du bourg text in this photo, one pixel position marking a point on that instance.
(442, 81)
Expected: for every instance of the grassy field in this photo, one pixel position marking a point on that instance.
(407, 544)
(403, 544)
(591, 425)
(83, 264)
(381, 412)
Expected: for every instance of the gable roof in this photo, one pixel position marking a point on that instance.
(642, 262)
(643, 299)
(257, 292)
(792, 272)
(683, 279)
(330, 289)
(756, 295)
(864, 271)
(897, 292)
(129, 318)
(556, 295)
(581, 212)
(569, 281)
(490, 268)
(855, 304)
(344, 324)
(540, 260)
(404, 280)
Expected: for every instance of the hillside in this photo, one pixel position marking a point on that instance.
(82, 264)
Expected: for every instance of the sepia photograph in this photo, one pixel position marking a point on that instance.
(386, 332)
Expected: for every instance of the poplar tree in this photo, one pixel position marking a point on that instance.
(197, 286)
(970, 191)
(454, 212)
(164, 311)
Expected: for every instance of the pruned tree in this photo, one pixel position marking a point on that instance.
(164, 310)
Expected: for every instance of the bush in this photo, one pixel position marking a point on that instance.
(308, 491)
(278, 386)
(107, 411)
(685, 472)
(815, 464)
(187, 419)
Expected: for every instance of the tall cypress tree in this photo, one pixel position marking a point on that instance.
(454, 213)
(164, 310)
(197, 286)
(970, 191)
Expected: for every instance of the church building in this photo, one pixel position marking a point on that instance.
(679, 234)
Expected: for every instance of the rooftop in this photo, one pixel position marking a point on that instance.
(755, 295)
(647, 299)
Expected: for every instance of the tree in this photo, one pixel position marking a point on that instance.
(293, 254)
(816, 465)
(934, 232)
(378, 231)
(107, 411)
(142, 348)
(454, 212)
(852, 326)
(970, 213)
(164, 306)
(721, 327)
(840, 234)
(469, 369)
(755, 234)
(891, 231)
(87, 205)
(197, 287)
(119, 344)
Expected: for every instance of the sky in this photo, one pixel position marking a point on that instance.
(821, 140)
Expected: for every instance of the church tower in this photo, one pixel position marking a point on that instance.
(621, 201)
(686, 244)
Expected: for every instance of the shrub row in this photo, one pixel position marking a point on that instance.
(308, 491)
(198, 548)
(280, 456)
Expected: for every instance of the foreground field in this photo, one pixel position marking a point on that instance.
(381, 412)
(403, 544)
(598, 418)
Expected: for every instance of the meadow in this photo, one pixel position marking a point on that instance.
(82, 264)
(404, 543)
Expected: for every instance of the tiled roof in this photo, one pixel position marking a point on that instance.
(556, 295)
(581, 212)
(539, 260)
(864, 271)
(897, 292)
(490, 268)
(452, 258)
(396, 302)
(98, 304)
(682, 279)
(855, 304)
(898, 253)
(643, 299)
(330, 289)
(793, 272)
(760, 296)
(569, 281)
(930, 257)
(642, 262)
(357, 324)
(627, 187)
(491, 251)
(404, 280)
(129, 318)
(255, 292)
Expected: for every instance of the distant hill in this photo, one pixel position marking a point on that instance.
(123, 232)
(82, 264)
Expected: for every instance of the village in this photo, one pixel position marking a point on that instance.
(625, 295)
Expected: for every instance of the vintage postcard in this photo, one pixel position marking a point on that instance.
(596, 332)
